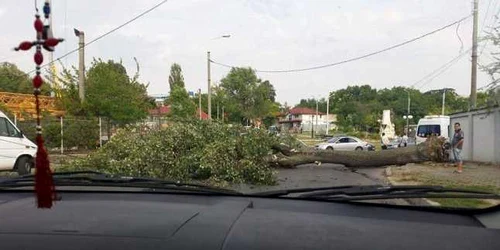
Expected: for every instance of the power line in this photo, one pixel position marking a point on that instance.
(105, 34)
(486, 15)
(491, 20)
(355, 58)
(437, 72)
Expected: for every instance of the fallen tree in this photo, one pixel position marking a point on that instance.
(219, 154)
(434, 149)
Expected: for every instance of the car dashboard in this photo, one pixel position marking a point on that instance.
(130, 220)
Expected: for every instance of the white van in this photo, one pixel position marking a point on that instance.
(432, 125)
(16, 151)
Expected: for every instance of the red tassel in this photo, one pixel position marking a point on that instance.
(44, 184)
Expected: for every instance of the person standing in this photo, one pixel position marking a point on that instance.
(405, 140)
(385, 141)
(457, 143)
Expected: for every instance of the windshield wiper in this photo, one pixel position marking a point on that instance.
(98, 179)
(373, 192)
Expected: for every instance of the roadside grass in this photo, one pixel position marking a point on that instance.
(462, 203)
(306, 139)
(408, 178)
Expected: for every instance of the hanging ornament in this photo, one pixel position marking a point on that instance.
(24, 46)
(38, 24)
(38, 57)
(37, 81)
(44, 185)
(51, 42)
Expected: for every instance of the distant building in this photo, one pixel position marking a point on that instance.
(302, 119)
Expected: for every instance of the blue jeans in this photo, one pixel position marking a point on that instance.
(456, 154)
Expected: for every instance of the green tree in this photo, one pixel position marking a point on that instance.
(246, 97)
(175, 78)
(181, 106)
(112, 94)
(12, 79)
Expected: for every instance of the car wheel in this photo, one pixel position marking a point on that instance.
(329, 148)
(24, 165)
(359, 149)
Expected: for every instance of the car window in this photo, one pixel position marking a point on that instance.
(3, 127)
(344, 140)
(7, 129)
(13, 132)
(352, 140)
(333, 140)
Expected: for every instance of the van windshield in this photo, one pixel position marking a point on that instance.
(427, 130)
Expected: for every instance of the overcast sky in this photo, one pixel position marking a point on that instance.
(266, 35)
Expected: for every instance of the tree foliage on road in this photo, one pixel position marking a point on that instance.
(246, 97)
(360, 107)
(186, 151)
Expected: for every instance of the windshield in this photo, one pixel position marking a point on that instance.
(333, 140)
(254, 95)
(427, 130)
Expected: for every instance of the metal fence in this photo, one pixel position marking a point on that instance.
(68, 133)
(482, 134)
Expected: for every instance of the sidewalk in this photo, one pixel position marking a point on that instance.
(475, 176)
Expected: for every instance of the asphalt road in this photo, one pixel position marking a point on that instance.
(324, 175)
(312, 175)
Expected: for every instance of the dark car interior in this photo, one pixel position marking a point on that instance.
(131, 220)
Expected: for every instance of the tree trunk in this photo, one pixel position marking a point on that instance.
(432, 150)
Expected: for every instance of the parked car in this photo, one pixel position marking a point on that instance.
(16, 151)
(345, 143)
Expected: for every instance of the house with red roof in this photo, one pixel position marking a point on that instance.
(303, 119)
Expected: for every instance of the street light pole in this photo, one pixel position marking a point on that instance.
(209, 88)
(199, 101)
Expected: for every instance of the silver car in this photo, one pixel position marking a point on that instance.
(345, 143)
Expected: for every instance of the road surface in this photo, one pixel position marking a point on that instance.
(324, 175)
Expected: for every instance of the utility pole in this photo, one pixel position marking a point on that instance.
(408, 115)
(444, 97)
(209, 88)
(316, 114)
(473, 83)
(199, 102)
(52, 66)
(81, 64)
(327, 114)
(312, 126)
